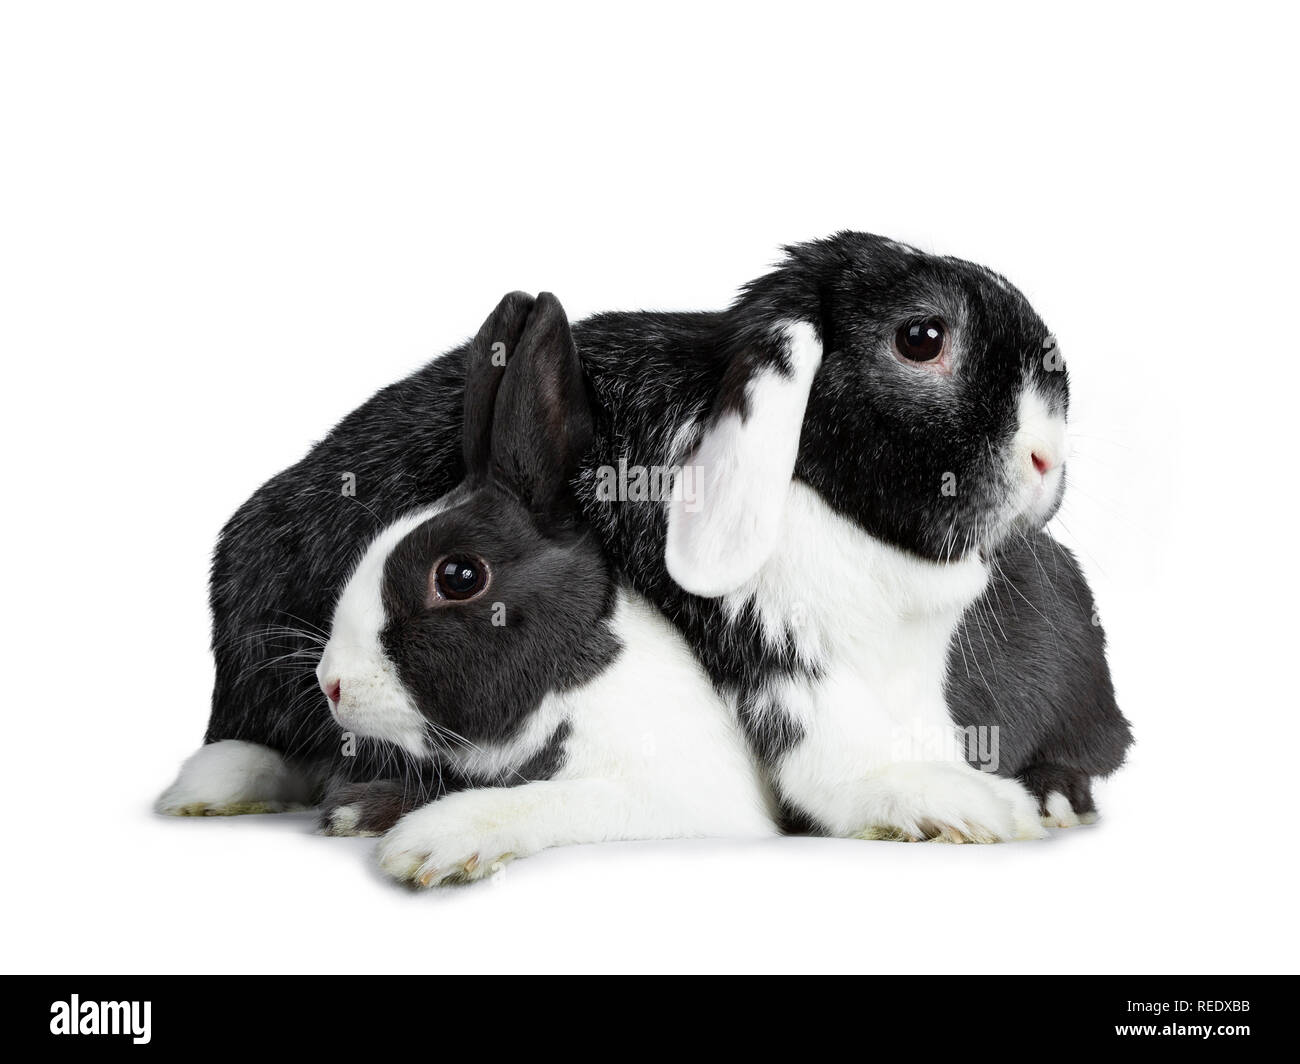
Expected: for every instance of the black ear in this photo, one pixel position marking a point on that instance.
(485, 365)
(543, 424)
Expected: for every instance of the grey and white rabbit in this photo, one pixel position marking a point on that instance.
(487, 633)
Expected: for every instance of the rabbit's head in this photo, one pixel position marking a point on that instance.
(921, 396)
(461, 618)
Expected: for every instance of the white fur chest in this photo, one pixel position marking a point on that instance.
(872, 623)
(653, 720)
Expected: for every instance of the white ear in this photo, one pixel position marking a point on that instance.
(721, 533)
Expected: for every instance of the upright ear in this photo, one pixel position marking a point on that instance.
(485, 366)
(720, 534)
(489, 352)
(543, 424)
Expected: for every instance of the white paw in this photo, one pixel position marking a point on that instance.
(457, 839)
(948, 802)
(232, 777)
(1061, 814)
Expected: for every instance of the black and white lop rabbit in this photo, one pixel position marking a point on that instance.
(861, 559)
(487, 634)
(868, 443)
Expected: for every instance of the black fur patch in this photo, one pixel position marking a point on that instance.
(478, 669)
(1030, 659)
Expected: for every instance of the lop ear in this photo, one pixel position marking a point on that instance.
(720, 534)
(485, 365)
(543, 423)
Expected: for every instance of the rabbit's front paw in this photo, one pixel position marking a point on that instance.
(232, 778)
(457, 839)
(1059, 812)
(947, 802)
(363, 809)
(1064, 794)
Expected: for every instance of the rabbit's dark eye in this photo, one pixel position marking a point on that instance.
(921, 341)
(459, 577)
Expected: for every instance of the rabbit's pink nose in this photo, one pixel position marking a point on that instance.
(1041, 462)
(333, 689)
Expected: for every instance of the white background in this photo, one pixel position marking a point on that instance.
(225, 225)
